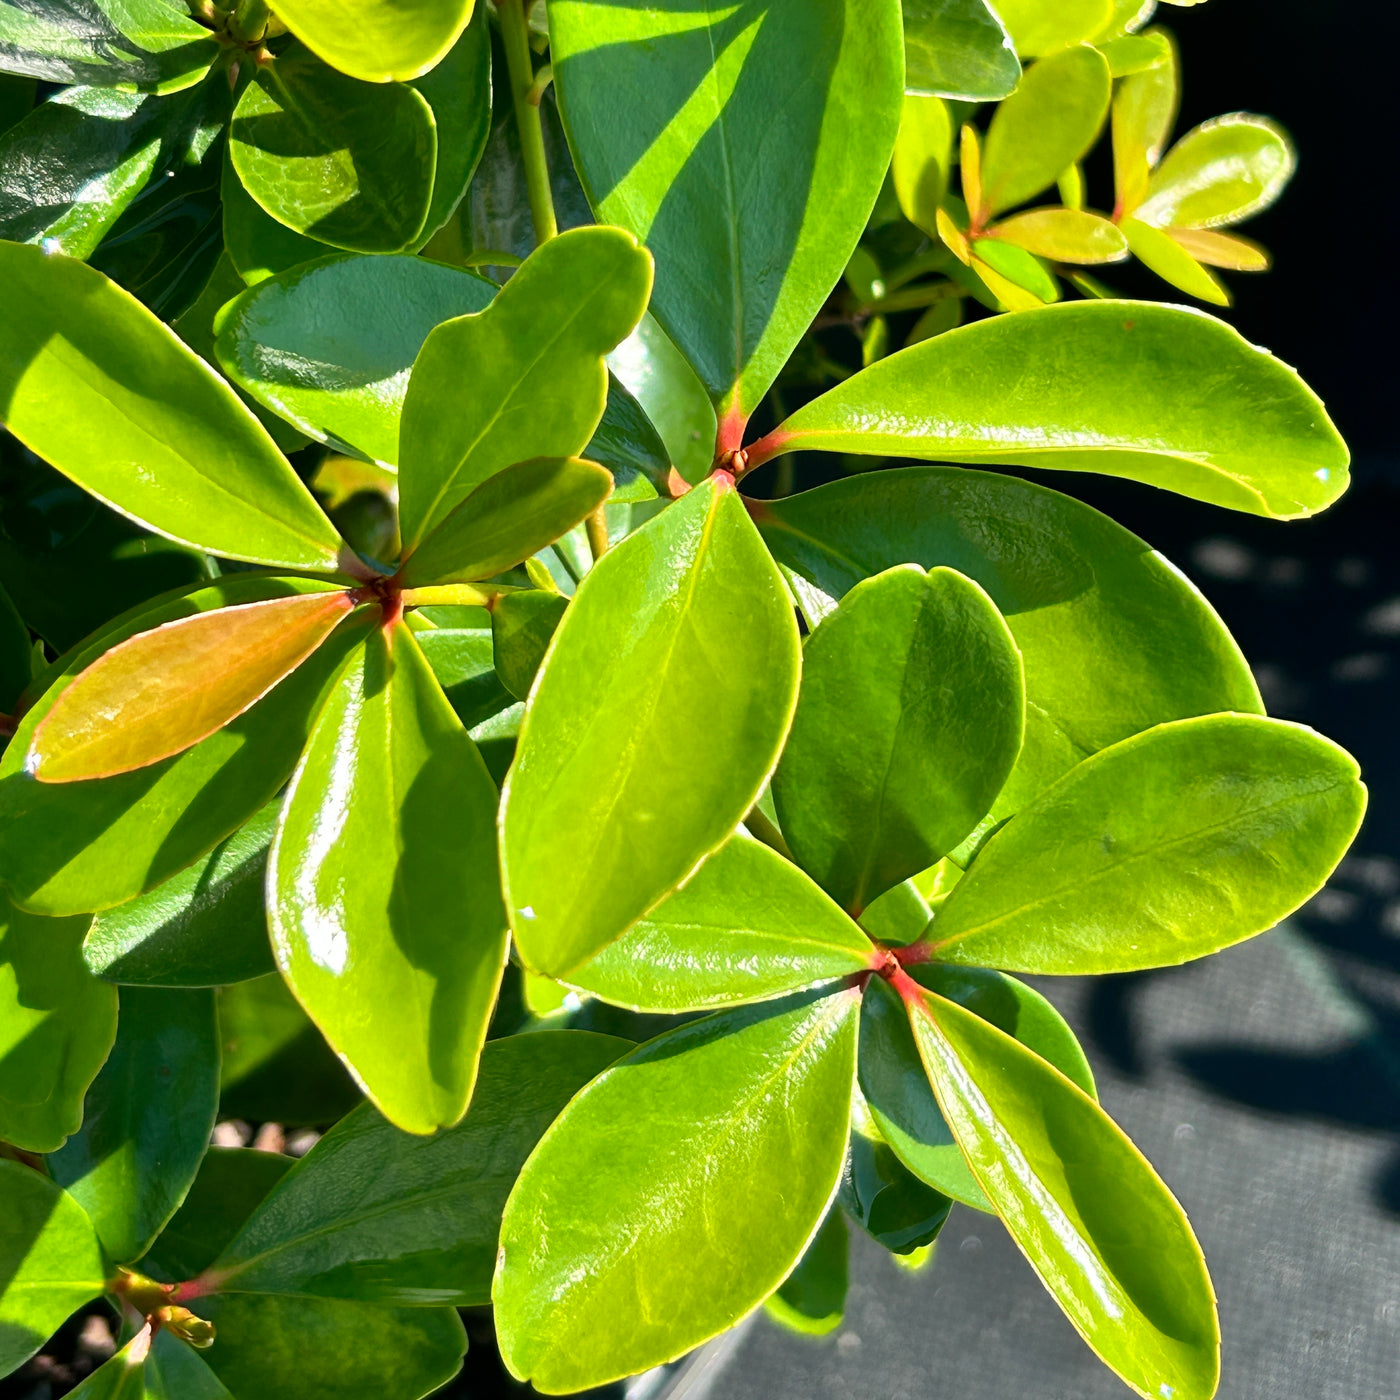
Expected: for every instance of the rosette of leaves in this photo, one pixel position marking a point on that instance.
(1015, 740)
(1174, 205)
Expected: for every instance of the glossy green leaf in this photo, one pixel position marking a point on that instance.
(161, 691)
(458, 89)
(746, 926)
(152, 45)
(1217, 249)
(69, 168)
(96, 385)
(1113, 639)
(751, 224)
(463, 661)
(339, 160)
(923, 153)
(959, 49)
(16, 651)
(882, 1195)
(1163, 848)
(1039, 27)
(68, 848)
(1045, 126)
(229, 1186)
(902, 1106)
(1224, 171)
(57, 1022)
(812, 1298)
(511, 516)
(1064, 1179)
(202, 928)
(729, 1128)
(651, 368)
(1172, 263)
(389, 39)
(53, 1262)
(1154, 393)
(146, 1119)
(383, 897)
(1065, 235)
(522, 625)
(329, 1349)
(277, 1067)
(1144, 111)
(258, 246)
(689, 609)
(378, 1214)
(524, 378)
(628, 444)
(909, 721)
(329, 344)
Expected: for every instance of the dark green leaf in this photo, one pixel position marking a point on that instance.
(883, 1196)
(68, 562)
(16, 99)
(958, 48)
(629, 446)
(1154, 393)
(524, 378)
(389, 39)
(522, 625)
(1096, 1223)
(146, 1119)
(202, 928)
(68, 848)
(1112, 637)
(751, 223)
(16, 654)
(463, 661)
(276, 1065)
(69, 168)
(329, 344)
(230, 1184)
(813, 1296)
(723, 1140)
(651, 369)
(908, 723)
(689, 609)
(328, 1349)
(53, 1262)
(95, 384)
(344, 162)
(510, 517)
(379, 1214)
(153, 45)
(257, 244)
(175, 1371)
(1162, 848)
(383, 895)
(459, 91)
(57, 1022)
(746, 926)
(902, 1105)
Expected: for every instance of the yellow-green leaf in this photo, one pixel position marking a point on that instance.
(379, 41)
(1065, 235)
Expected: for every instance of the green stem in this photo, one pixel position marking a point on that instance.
(515, 38)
